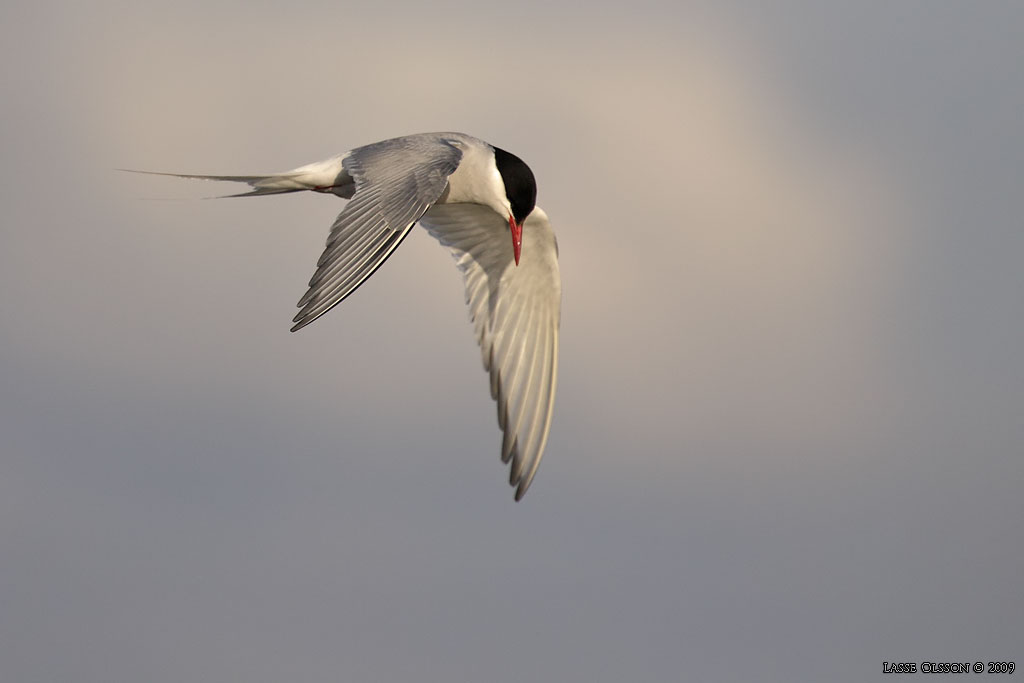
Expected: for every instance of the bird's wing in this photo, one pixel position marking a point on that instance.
(515, 312)
(395, 182)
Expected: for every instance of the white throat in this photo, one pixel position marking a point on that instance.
(477, 181)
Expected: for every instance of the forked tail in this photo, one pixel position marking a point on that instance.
(321, 176)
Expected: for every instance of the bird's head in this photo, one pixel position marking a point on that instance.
(521, 192)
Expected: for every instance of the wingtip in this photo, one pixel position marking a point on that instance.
(303, 318)
(521, 491)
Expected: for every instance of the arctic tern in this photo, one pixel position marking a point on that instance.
(475, 199)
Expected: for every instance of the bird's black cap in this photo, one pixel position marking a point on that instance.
(520, 186)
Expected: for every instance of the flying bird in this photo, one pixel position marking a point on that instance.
(478, 201)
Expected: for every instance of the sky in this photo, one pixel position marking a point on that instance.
(787, 443)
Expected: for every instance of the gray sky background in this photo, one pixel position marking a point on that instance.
(788, 439)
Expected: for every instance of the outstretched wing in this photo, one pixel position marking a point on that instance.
(395, 182)
(515, 312)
